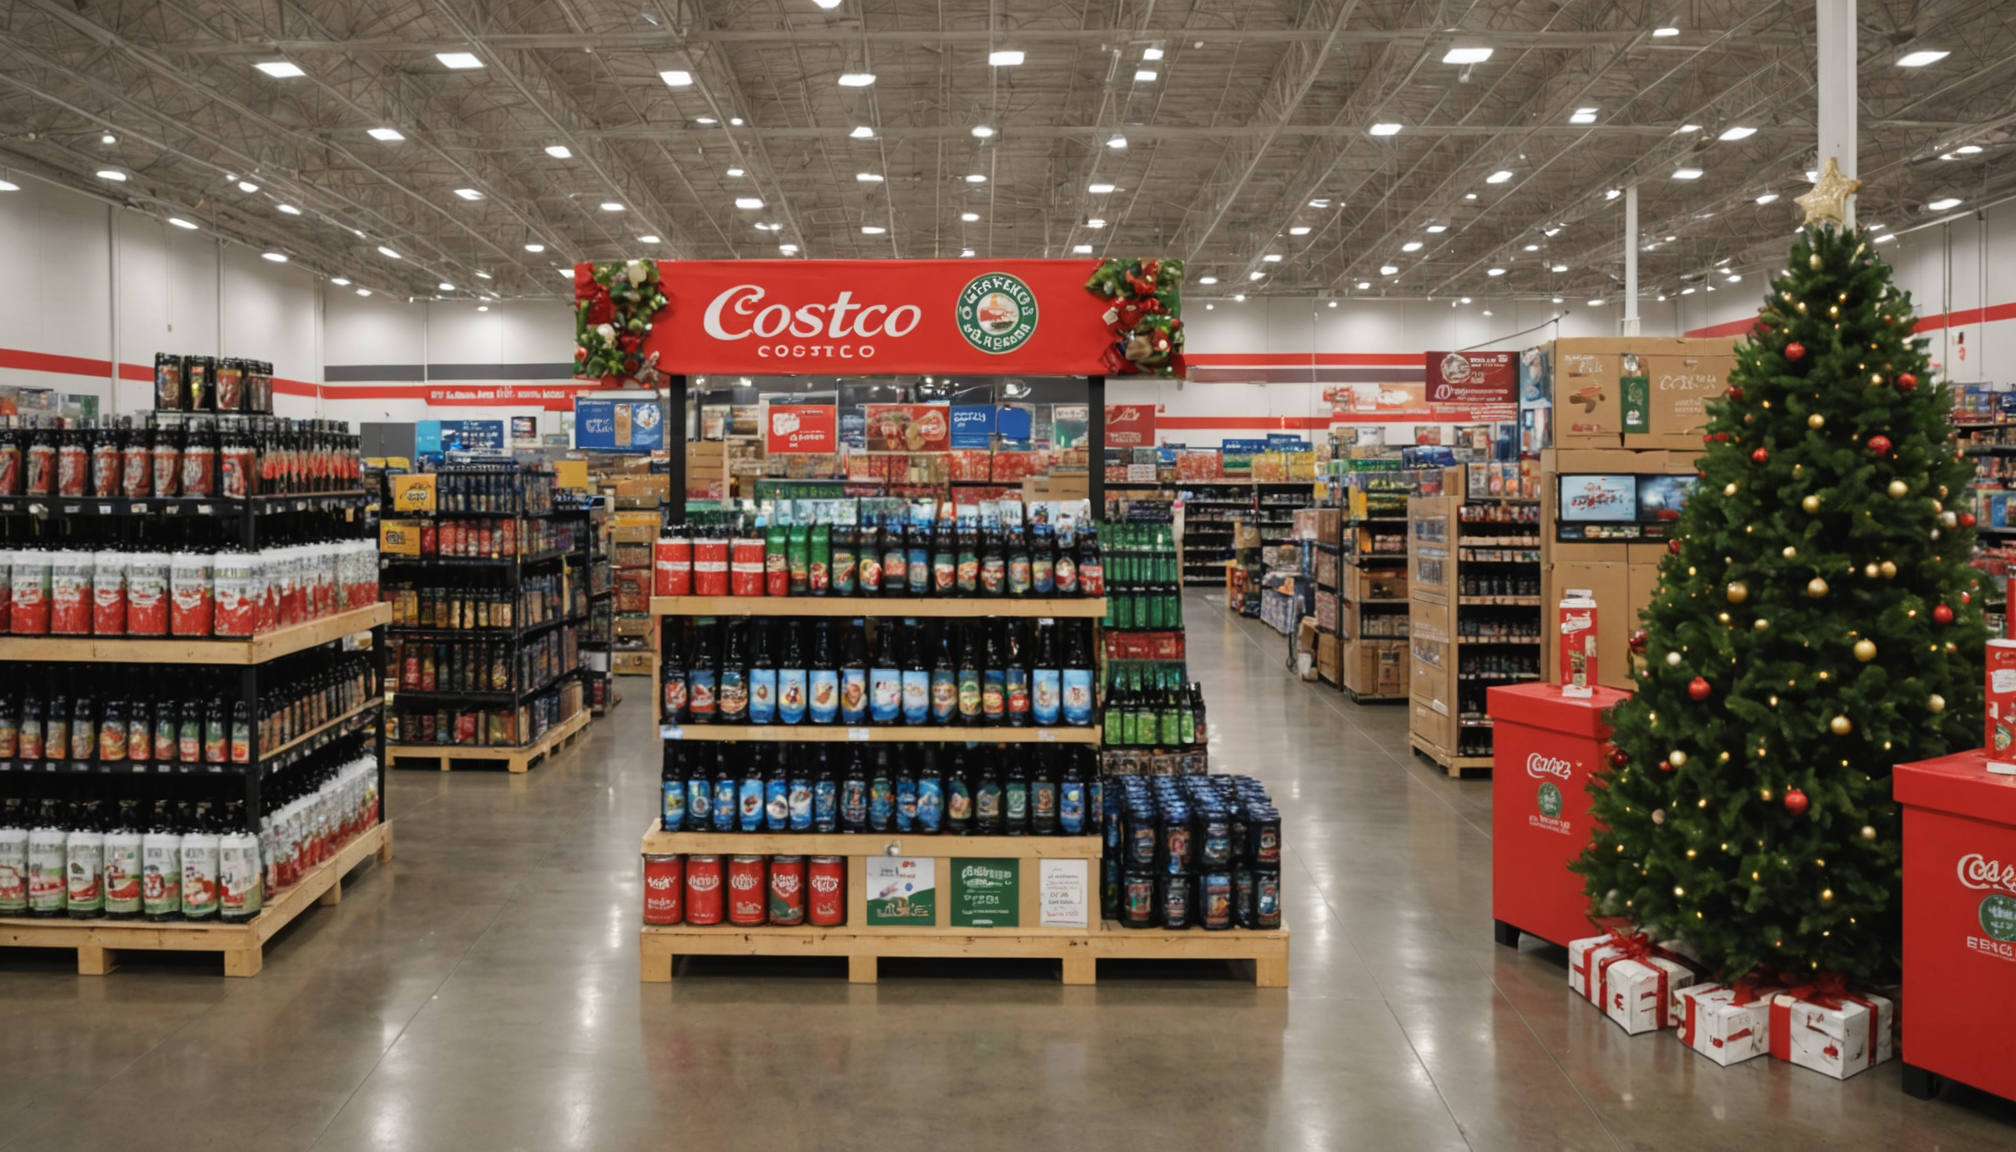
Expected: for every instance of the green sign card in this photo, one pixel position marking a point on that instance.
(902, 891)
(986, 893)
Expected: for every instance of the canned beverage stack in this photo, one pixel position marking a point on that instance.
(1191, 851)
(745, 891)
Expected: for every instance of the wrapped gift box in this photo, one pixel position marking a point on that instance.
(1638, 993)
(1713, 1023)
(1585, 959)
(1839, 1041)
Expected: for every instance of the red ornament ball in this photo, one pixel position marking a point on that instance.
(1795, 351)
(1760, 455)
(1966, 519)
(1673, 546)
(1880, 445)
(1796, 802)
(1943, 614)
(1638, 639)
(1699, 688)
(1618, 758)
(1907, 381)
(1735, 393)
(1966, 597)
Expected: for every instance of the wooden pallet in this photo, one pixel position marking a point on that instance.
(195, 649)
(1077, 950)
(513, 759)
(98, 942)
(1451, 763)
(1367, 698)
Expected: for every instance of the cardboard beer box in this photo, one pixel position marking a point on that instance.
(1715, 1025)
(1578, 643)
(2001, 711)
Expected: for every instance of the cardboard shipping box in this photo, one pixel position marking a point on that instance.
(1375, 667)
(1621, 590)
(1668, 406)
(1588, 386)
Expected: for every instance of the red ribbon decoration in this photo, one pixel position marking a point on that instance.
(1827, 990)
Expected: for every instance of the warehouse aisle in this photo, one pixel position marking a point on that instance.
(481, 991)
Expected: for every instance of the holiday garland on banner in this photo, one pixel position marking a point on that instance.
(1146, 316)
(1814, 624)
(614, 304)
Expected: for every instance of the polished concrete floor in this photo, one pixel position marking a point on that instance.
(481, 992)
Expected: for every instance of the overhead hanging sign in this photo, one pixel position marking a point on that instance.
(972, 425)
(908, 427)
(1130, 425)
(618, 425)
(881, 317)
(1472, 378)
(802, 428)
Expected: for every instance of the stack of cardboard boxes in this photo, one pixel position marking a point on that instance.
(1621, 406)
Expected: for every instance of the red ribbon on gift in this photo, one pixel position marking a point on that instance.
(1827, 990)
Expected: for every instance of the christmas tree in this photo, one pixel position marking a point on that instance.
(1813, 625)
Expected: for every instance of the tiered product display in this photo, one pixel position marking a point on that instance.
(1476, 612)
(1988, 436)
(634, 638)
(490, 598)
(1373, 620)
(598, 633)
(190, 745)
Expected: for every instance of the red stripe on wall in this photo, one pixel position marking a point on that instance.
(1933, 323)
(1293, 359)
(1269, 423)
(46, 362)
(1732, 328)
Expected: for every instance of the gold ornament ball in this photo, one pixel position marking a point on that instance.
(1833, 309)
(1810, 504)
(1729, 489)
(1889, 570)
(1813, 261)
(1942, 491)
(1898, 489)
(1761, 624)
(1816, 420)
(1935, 704)
(1840, 725)
(1673, 658)
(1816, 588)
(1738, 592)
(1865, 651)
(1658, 816)
(1868, 833)
(1871, 571)
(1800, 307)
(1790, 552)
(1677, 758)
(1875, 379)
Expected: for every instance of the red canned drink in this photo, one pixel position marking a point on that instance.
(710, 566)
(746, 905)
(703, 889)
(787, 890)
(826, 882)
(672, 566)
(664, 887)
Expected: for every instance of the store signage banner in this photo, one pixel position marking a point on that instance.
(1407, 402)
(972, 426)
(430, 436)
(1015, 423)
(908, 427)
(618, 425)
(986, 893)
(803, 428)
(880, 317)
(1470, 378)
(1130, 425)
(524, 429)
(1068, 425)
(552, 397)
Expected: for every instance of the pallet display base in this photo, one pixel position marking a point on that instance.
(513, 759)
(99, 942)
(1451, 763)
(1367, 698)
(1079, 953)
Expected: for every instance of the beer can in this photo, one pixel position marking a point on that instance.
(672, 566)
(664, 886)
(1214, 900)
(1172, 896)
(1266, 898)
(1137, 898)
(826, 880)
(746, 891)
(703, 890)
(787, 890)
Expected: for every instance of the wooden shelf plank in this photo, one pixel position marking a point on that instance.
(887, 734)
(518, 759)
(885, 607)
(368, 705)
(858, 844)
(194, 649)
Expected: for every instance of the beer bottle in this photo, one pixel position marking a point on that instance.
(763, 679)
(140, 735)
(970, 708)
(241, 731)
(917, 560)
(724, 791)
(1016, 679)
(1043, 562)
(854, 794)
(993, 680)
(189, 736)
(993, 563)
(1091, 573)
(885, 677)
(916, 677)
(1171, 735)
(777, 791)
(1077, 676)
(869, 560)
(793, 678)
(1015, 792)
(906, 794)
(1043, 796)
(958, 796)
(825, 794)
(881, 793)
(1071, 799)
(854, 675)
(944, 679)
(944, 560)
(733, 693)
(1086, 761)
(85, 860)
(124, 876)
(167, 737)
(699, 792)
(161, 859)
(56, 733)
(823, 678)
(749, 796)
(895, 560)
(672, 788)
(800, 801)
(968, 577)
(846, 559)
(701, 701)
(1065, 564)
(1046, 677)
(28, 744)
(1018, 560)
(1202, 730)
(84, 734)
(987, 798)
(930, 790)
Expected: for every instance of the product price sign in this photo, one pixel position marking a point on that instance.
(413, 493)
(1130, 425)
(1063, 899)
(618, 425)
(802, 428)
(908, 427)
(972, 426)
(902, 890)
(1068, 424)
(986, 892)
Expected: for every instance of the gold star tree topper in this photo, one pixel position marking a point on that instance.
(1827, 203)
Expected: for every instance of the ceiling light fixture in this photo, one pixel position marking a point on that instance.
(482, 275)
(1532, 247)
(535, 247)
(1319, 202)
(856, 79)
(969, 217)
(1734, 278)
(1081, 249)
(280, 69)
(459, 61)
(1968, 149)
(340, 281)
(287, 209)
(1469, 195)
(1117, 141)
(1151, 53)
(1612, 194)
(788, 249)
(746, 202)
(1466, 55)
(647, 238)
(873, 230)
(1943, 205)
(1667, 31)
(1255, 275)
(1271, 258)
(1595, 303)
(1767, 198)
(982, 131)
(367, 291)
(275, 257)
(612, 206)
(1921, 58)
(708, 120)
(1737, 133)
(247, 186)
(1005, 58)
(482, 307)
(1384, 129)
(177, 221)
(1466, 299)
(386, 134)
(1498, 177)
(1557, 268)
(468, 193)
(1494, 271)
(1364, 284)
(1686, 173)
(735, 173)
(1144, 75)
(113, 175)
(975, 178)
(829, 5)
(862, 132)
(868, 177)
(108, 138)
(388, 253)
(1551, 231)
(1299, 230)
(1389, 269)
(1207, 280)
(1095, 222)
(1240, 298)
(1411, 246)
(965, 252)
(735, 122)
(1436, 229)
(1583, 116)
(445, 286)
(559, 152)
(1686, 128)
(1094, 189)
(1886, 238)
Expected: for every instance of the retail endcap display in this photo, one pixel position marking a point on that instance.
(211, 384)
(1183, 851)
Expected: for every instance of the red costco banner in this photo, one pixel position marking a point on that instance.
(880, 317)
(908, 427)
(1130, 425)
(1472, 378)
(802, 428)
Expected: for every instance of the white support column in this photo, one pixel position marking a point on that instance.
(1836, 90)
(1631, 260)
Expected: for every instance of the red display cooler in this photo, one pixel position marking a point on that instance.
(1544, 747)
(1959, 923)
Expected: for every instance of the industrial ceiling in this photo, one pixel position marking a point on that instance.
(477, 148)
